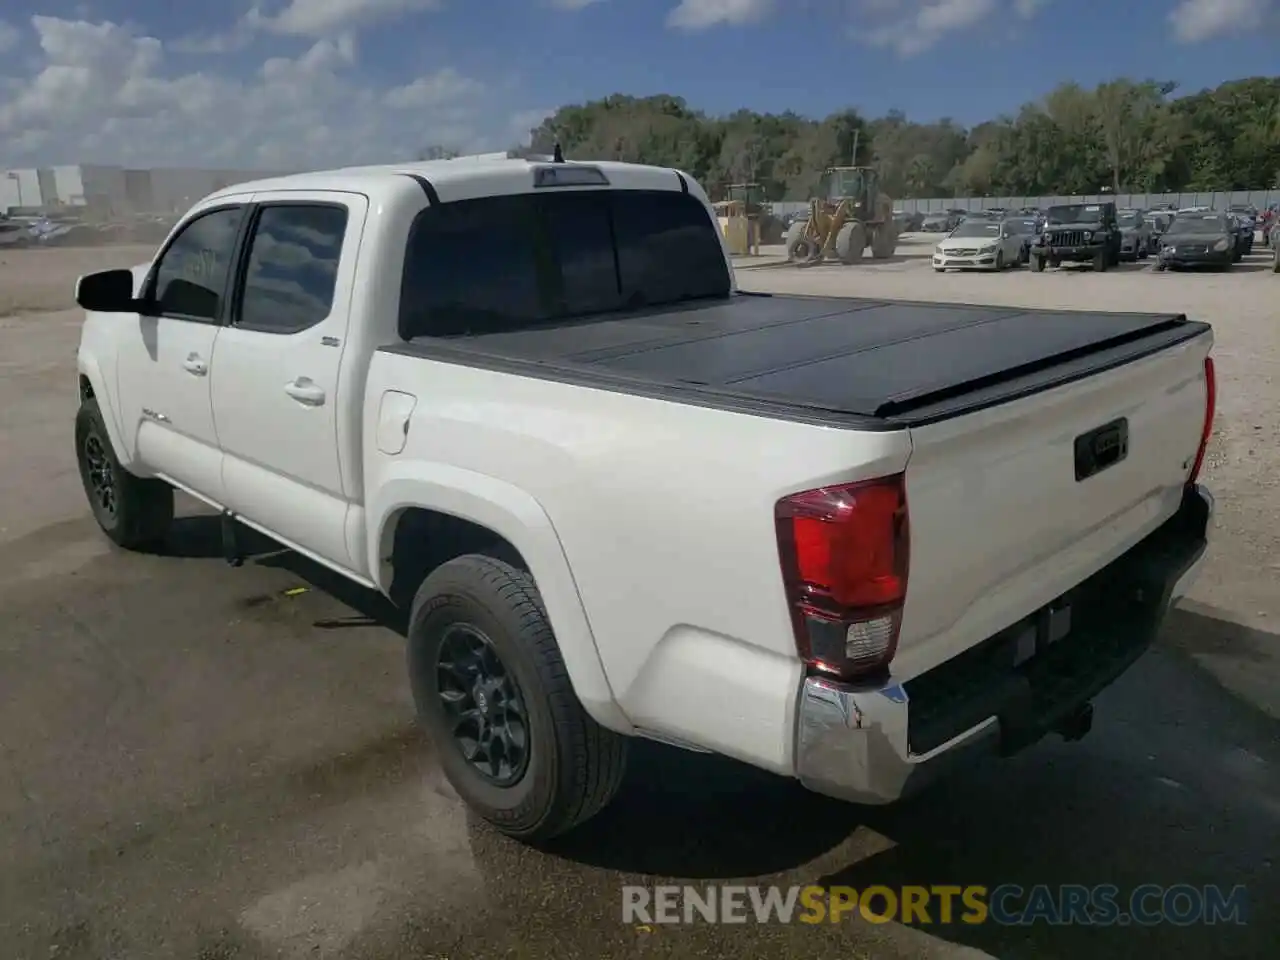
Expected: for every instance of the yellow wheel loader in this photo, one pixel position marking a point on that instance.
(849, 215)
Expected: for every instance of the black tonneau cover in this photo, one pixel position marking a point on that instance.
(872, 363)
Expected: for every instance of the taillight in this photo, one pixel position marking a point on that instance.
(1210, 408)
(845, 556)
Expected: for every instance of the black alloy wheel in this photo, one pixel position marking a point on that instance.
(483, 705)
(100, 478)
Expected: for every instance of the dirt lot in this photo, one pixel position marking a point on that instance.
(200, 762)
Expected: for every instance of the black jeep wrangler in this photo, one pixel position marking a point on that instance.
(1079, 233)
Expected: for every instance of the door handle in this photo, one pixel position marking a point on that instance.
(305, 390)
(195, 365)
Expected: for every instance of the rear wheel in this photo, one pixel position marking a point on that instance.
(132, 511)
(884, 240)
(491, 688)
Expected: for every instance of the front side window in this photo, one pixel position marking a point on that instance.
(191, 278)
(502, 263)
(292, 267)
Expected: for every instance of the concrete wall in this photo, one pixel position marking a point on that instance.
(20, 188)
(105, 191)
(1219, 201)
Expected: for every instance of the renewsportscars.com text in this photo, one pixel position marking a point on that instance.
(1008, 905)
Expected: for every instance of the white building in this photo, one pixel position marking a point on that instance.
(109, 191)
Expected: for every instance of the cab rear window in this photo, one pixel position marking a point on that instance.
(502, 263)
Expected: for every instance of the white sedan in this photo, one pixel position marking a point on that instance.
(979, 245)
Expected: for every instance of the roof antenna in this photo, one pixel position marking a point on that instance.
(558, 155)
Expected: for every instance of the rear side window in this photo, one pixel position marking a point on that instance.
(502, 263)
(293, 267)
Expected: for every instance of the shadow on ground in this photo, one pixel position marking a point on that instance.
(1178, 784)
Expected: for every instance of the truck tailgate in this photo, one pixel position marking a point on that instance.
(1012, 505)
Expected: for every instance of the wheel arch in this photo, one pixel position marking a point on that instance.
(91, 385)
(422, 515)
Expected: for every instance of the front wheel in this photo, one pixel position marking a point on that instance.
(491, 688)
(1037, 264)
(1100, 261)
(133, 512)
(999, 260)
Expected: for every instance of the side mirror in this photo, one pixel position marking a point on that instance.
(108, 291)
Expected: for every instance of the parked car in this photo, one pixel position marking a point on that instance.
(1159, 220)
(979, 244)
(1135, 234)
(908, 222)
(1028, 228)
(1244, 233)
(943, 221)
(746, 543)
(1266, 222)
(1079, 233)
(1244, 210)
(1200, 240)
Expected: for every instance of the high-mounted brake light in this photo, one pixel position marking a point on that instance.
(569, 176)
(1210, 408)
(845, 553)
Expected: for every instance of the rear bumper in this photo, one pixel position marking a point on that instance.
(878, 745)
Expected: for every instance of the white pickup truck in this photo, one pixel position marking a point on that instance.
(843, 540)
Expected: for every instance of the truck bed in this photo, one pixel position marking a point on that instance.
(873, 364)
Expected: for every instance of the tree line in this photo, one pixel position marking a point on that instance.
(1128, 135)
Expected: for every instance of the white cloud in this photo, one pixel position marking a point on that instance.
(10, 37)
(318, 18)
(702, 14)
(104, 93)
(572, 4)
(911, 27)
(1196, 20)
(314, 19)
(440, 89)
(908, 27)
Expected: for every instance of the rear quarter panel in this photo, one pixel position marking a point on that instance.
(664, 514)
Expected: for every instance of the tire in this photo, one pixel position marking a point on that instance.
(572, 767)
(799, 247)
(851, 242)
(1037, 264)
(134, 513)
(999, 261)
(884, 241)
(1100, 261)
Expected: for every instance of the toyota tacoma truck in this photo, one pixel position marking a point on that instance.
(849, 541)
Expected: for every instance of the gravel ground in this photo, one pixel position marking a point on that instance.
(201, 763)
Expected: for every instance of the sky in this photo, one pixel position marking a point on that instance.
(285, 84)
